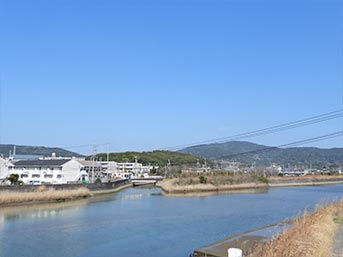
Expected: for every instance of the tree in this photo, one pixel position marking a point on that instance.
(13, 178)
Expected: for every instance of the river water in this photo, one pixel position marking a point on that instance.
(143, 222)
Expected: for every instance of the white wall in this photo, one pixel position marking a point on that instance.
(4, 164)
(71, 170)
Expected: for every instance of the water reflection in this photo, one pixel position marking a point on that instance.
(144, 222)
(214, 193)
(46, 210)
(39, 211)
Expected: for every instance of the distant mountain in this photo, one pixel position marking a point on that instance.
(156, 157)
(246, 152)
(36, 150)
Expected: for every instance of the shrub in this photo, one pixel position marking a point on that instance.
(263, 180)
(13, 178)
(202, 179)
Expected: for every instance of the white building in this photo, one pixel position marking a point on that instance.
(4, 168)
(54, 171)
(131, 169)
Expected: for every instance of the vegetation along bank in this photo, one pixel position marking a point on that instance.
(312, 235)
(226, 181)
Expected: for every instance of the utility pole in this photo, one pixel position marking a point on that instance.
(93, 162)
(168, 167)
(108, 153)
(0, 108)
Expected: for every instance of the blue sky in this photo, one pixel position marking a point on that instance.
(148, 74)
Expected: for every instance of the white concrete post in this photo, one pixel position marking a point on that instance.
(235, 252)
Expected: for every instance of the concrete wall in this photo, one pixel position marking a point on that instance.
(91, 187)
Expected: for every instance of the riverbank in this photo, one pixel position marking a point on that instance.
(41, 195)
(218, 183)
(246, 241)
(311, 235)
(31, 195)
(111, 191)
(317, 234)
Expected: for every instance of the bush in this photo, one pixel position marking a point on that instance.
(202, 179)
(13, 178)
(98, 181)
(263, 180)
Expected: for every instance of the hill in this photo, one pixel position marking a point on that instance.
(246, 152)
(156, 157)
(36, 150)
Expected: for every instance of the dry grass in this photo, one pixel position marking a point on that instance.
(172, 186)
(9, 197)
(216, 178)
(310, 236)
(226, 181)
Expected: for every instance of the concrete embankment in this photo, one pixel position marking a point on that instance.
(309, 182)
(245, 241)
(111, 190)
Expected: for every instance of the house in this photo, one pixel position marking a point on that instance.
(49, 171)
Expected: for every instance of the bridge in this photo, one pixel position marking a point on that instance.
(146, 181)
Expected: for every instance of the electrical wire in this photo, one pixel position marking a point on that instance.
(269, 130)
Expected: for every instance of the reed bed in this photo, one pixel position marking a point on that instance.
(170, 187)
(226, 181)
(42, 195)
(312, 235)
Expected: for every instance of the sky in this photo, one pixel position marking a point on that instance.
(150, 74)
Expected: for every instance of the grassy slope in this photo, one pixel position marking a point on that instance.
(312, 235)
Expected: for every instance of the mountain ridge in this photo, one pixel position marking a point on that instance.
(248, 152)
(36, 150)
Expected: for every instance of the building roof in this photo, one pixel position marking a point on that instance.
(90, 163)
(54, 162)
(26, 157)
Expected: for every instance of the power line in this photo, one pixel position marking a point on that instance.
(296, 143)
(83, 146)
(278, 128)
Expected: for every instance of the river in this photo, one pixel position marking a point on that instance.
(143, 222)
